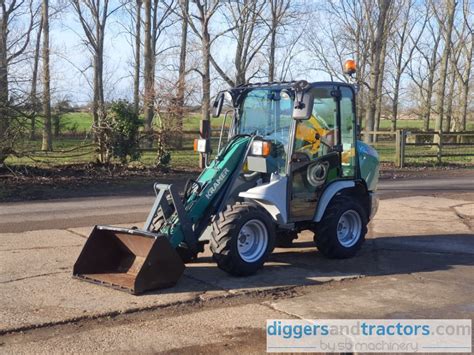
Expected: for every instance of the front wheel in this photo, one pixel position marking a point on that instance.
(342, 230)
(242, 238)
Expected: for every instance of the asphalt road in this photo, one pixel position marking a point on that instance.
(18, 217)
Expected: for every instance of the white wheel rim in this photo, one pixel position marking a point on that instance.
(252, 240)
(349, 228)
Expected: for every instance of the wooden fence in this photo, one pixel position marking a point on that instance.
(404, 146)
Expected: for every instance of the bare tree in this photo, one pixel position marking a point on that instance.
(278, 10)
(441, 89)
(136, 75)
(432, 62)
(467, 51)
(93, 16)
(451, 80)
(380, 86)
(154, 23)
(449, 100)
(4, 116)
(181, 87)
(34, 102)
(12, 47)
(377, 60)
(199, 21)
(148, 72)
(47, 144)
(348, 33)
(404, 44)
(246, 23)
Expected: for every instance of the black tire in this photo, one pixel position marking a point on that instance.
(159, 219)
(185, 254)
(284, 239)
(225, 237)
(326, 238)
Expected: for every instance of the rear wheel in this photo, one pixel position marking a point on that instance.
(242, 238)
(342, 230)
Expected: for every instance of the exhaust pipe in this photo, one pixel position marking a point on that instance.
(130, 260)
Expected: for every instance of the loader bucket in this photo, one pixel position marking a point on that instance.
(128, 259)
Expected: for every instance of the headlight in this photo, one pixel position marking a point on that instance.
(261, 148)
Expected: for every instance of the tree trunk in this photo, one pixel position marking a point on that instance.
(136, 77)
(465, 85)
(378, 109)
(273, 34)
(377, 48)
(444, 68)
(182, 77)
(104, 154)
(98, 104)
(95, 102)
(94, 26)
(398, 75)
(206, 85)
(239, 65)
(396, 90)
(34, 102)
(148, 74)
(450, 99)
(47, 144)
(429, 93)
(4, 114)
(206, 76)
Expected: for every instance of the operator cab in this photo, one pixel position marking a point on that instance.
(311, 131)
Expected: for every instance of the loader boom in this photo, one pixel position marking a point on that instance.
(204, 201)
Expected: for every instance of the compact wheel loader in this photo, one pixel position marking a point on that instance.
(291, 162)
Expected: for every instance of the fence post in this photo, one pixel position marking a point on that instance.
(439, 154)
(403, 137)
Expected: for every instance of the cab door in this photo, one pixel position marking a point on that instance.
(320, 146)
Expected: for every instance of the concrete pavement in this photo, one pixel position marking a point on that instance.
(417, 262)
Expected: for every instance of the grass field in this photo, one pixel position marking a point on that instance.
(76, 121)
(81, 122)
(79, 150)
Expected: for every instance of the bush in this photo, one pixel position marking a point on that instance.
(122, 137)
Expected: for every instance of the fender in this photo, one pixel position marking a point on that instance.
(271, 196)
(328, 194)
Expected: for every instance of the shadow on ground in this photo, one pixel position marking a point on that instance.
(303, 265)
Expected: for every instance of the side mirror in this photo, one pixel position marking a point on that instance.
(303, 107)
(217, 105)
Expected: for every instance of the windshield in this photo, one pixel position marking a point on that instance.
(268, 113)
(265, 112)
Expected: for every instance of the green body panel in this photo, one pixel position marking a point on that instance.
(212, 180)
(369, 163)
